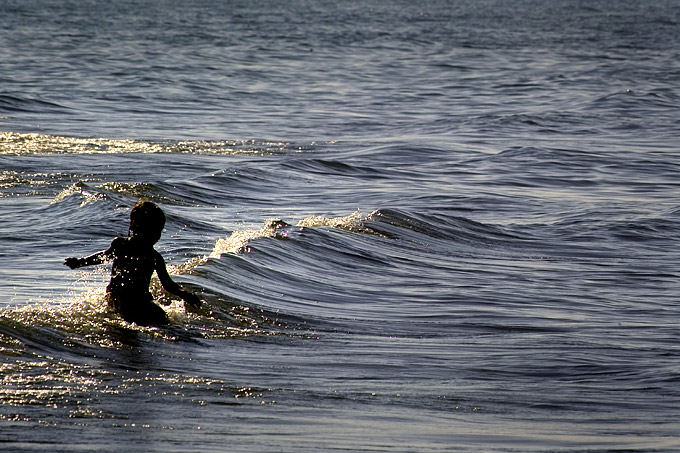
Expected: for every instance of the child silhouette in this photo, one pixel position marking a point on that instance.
(134, 261)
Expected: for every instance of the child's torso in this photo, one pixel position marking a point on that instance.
(133, 266)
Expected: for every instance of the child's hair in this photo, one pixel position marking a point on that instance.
(146, 215)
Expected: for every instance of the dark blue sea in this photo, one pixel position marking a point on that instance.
(442, 225)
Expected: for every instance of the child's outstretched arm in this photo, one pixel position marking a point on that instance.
(97, 258)
(172, 287)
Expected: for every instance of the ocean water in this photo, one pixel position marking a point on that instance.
(415, 226)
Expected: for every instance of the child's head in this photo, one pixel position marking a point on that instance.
(147, 221)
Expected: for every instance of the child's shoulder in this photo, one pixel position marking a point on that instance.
(119, 244)
(118, 241)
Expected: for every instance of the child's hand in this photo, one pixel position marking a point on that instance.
(191, 300)
(73, 263)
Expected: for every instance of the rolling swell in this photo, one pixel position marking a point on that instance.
(375, 260)
(394, 270)
(11, 104)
